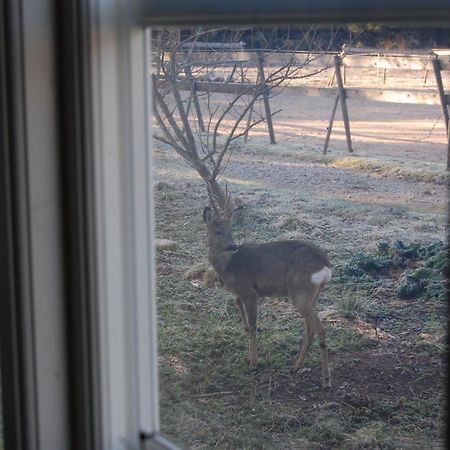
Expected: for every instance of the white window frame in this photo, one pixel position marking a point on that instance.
(116, 329)
(112, 341)
(125, 271)
(124, 188)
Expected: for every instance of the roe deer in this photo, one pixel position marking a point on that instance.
(296, 269)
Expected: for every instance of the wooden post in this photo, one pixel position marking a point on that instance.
(444, 104)
(265, 94)
(230, 78)
(448, 151)
(250, 112)
(331, 79)
(195, 99)
(249, 122)
(341, 90)
(378, 68)
(330, 125)
(440, 86)
(242, 74)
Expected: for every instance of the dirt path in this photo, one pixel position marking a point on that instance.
(322, 180)
(409, 131)
(405, 131)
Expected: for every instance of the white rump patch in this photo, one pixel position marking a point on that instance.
(322, 276)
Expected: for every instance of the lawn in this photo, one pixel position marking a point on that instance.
(385, 308)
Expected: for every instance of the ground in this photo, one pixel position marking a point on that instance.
(387, 354)
(410, 131)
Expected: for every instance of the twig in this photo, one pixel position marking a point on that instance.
(346, 404)
(432, 129)
(212, 394)
(220, 440)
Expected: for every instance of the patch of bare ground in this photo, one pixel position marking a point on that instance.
(363, 379)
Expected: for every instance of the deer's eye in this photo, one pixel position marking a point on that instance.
(219, 233)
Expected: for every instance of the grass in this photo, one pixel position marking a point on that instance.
(352, 306)
(380, 165)
(386, 355)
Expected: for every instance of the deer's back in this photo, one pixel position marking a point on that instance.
(267, 267)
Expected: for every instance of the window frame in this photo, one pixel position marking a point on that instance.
(111, 202)
(89, 301)
(207, 12)
(33, 340)
(68, 324)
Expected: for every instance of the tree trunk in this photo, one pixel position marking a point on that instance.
(216, 190)
(219, 195)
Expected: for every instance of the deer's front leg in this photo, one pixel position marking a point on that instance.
(251, 307)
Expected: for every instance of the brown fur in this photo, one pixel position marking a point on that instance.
(281, 268)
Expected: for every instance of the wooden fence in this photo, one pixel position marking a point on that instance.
(434, 61)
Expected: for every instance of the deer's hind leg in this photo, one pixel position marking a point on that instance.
(307, 341)
(321, 333)
(314, 326)
(305, 302)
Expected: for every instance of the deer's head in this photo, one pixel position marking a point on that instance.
(220, 236)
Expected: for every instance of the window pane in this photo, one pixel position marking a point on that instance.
(246, 111)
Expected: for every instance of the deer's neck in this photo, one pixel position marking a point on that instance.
(220, 260)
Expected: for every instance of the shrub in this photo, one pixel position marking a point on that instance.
(420, 267)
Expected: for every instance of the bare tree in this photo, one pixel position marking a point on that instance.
(199, 123)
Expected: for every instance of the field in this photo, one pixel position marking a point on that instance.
(381, 217)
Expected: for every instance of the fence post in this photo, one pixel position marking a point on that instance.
(341, 90)
(195, 98)
(330, 125)
(250, 112)
(448, 151)
(230, 78)
(440, 85)
(249, 123)
(265, 94)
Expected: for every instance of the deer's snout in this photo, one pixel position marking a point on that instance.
(232, 248)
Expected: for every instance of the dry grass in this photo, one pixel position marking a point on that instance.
(381, 165)
(387, 379)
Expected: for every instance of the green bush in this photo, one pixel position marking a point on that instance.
(419, 267)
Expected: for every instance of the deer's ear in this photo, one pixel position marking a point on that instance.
(207, 215)
(235, 211)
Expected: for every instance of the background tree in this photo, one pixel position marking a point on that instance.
(206, 141)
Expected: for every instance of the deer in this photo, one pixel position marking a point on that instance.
(289, 268)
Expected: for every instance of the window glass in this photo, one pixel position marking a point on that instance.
(336, 136)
